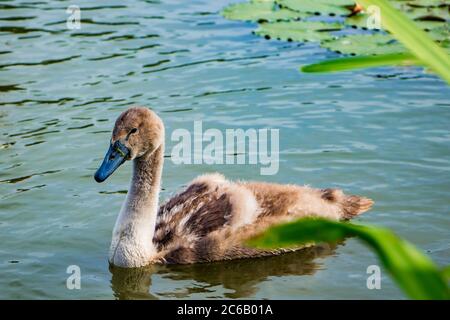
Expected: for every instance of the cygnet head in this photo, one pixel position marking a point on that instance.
(138, 131)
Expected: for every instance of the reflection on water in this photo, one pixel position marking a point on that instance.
(240, 277)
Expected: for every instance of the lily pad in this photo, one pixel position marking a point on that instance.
(401, 4)
(323, 7)
(427, 17)
(440, 33)
(357, 21)
(423, 12)
(446, 45)
(298, 30)
(364, 44)
(426, 3)
(279, 20)
(258, 11)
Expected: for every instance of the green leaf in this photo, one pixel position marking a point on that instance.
(413, 271)
(324, 7)
(345, 64)
(298, 30)
(446, 273)
(364, 44)
(259, 11)
(412, 37)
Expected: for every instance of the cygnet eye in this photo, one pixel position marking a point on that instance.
(134, 130)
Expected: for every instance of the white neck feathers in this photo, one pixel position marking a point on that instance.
(132, 244)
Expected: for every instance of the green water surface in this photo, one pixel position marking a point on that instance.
(383, 133)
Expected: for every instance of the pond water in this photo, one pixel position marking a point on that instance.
(383, 133)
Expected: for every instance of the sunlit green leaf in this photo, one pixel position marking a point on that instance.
(413, 271)
(344, 64)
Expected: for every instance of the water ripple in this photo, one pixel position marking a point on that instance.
(40, 63)
(219, 60)
(379, 132)
(23, 178)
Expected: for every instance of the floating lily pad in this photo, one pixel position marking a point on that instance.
(260, 11)
(278, 20)
(323, 7)
(402, 4)
(418, 13)
(440, 34)
(441, 13)
(358, 21)
(364, 44)
(298, 30)
(426, 3)
(438, 29)
(446, 45)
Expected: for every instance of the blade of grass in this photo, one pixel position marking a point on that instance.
(412, 37)
(413, 271)
(345, 64)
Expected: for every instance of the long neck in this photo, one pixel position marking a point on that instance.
(132, 243)
(142, 198)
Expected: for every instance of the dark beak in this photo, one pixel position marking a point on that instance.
(116, 155)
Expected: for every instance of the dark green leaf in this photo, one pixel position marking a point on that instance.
(414, 272)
